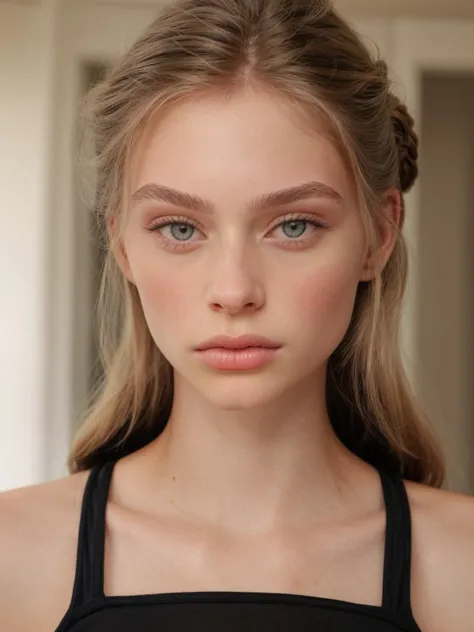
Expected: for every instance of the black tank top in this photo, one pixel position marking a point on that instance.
(92, 611)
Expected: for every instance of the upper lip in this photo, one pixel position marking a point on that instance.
(238, 342)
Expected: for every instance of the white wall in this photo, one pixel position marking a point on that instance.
(23, 150)
(87, 34)
(42, 49)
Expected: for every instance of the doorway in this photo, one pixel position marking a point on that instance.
(445, 257)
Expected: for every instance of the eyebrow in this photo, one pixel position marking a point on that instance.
(267, 201)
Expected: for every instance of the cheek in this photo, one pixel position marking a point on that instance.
(323, 290)
(164, 296)
(324, 300)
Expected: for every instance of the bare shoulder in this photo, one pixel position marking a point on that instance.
(442, 558)
(39, 530)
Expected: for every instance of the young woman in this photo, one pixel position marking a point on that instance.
(254, 458)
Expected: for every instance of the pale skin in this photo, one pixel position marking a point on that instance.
(248, 488)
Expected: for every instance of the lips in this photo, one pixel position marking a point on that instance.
(238, 353)
(238, 342)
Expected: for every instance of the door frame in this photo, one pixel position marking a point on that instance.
(90, 35)
(420, 46)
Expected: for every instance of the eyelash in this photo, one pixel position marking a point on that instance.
(177, 245)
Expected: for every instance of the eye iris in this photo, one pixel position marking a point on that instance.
(181, 231)
(295, 225)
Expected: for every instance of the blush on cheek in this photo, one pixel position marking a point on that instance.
(325, 300)
(168, 299)
(159, 296)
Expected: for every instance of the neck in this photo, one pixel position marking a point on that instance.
(258, 469)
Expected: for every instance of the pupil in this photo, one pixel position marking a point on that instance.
(179, 231)
(295, 225)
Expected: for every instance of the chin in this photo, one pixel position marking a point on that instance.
(242, 391)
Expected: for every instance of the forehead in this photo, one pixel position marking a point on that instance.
(237, 147)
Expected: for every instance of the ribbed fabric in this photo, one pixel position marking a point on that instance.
(91, 610)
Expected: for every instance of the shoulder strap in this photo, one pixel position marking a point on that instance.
(397, 561)
(89, 579)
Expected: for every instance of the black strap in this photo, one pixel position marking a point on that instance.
(89, 579)
(397, 561)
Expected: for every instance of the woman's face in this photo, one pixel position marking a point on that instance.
(241, 259)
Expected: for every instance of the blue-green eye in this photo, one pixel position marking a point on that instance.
(181, 231)
(296, 228)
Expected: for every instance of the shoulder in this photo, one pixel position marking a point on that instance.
(38, 543)
(442, 558)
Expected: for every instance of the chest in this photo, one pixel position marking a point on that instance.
(340, 562)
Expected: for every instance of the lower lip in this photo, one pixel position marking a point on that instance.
(237, 359)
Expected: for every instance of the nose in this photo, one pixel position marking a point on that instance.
(235, 286)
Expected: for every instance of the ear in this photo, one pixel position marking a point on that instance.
(118, 249)
(387, 228)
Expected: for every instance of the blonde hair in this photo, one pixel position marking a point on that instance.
(306, 53)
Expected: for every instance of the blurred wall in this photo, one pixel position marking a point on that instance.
(445, 316)
(44, 46)
(23, 220)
